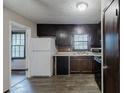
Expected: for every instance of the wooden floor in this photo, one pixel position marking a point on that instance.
(84, 83)
(17, 77)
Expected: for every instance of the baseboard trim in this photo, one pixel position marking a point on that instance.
(82, 72)
(40, 76)
(19, 70)
(7, 91)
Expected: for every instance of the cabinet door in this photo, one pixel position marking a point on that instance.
(40, 64)
(62, 65)
(46, 30)
(81, 64)
(75, 66)
(63, 39)
(98, 74)
(86, 66)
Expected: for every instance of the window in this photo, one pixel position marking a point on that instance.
(18, 45)
(80, 42)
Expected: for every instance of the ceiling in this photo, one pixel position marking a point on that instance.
(56, 11)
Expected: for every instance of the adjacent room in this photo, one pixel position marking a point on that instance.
(18, 54)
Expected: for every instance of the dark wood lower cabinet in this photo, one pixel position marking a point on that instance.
(81, 64)
(62, 65)
(75, 66)
(98, 74)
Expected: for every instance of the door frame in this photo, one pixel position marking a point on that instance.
(102, 49)
(28, 37)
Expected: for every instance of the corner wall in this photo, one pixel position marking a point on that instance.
(8, 16)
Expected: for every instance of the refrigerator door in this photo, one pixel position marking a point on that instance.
(41, 44)
(42, 51)
(41, 64)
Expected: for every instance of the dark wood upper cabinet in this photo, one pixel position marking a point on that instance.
(96, 37)
(111, 63)
(64, 34)
(46, 30)
(63, 38)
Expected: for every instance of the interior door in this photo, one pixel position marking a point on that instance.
(111, 49)
(106, 3)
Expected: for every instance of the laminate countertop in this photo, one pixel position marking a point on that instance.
(87, 53)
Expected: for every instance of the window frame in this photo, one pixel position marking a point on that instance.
(13, 32)
(81, 41)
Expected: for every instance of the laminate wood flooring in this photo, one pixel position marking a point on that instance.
(17, 77)
(76, 83)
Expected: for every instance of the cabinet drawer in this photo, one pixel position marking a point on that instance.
(81, 64)
(81, 57)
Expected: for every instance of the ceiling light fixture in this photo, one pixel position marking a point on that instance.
(81, 6)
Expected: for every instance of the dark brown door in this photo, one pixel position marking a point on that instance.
(111, 49)
(106, 3)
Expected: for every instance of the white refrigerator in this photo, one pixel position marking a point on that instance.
(42, 51)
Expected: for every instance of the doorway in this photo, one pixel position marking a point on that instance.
(18, 62)
(19, 53)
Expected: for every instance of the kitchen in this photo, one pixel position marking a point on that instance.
(74, 49)
(67, 46)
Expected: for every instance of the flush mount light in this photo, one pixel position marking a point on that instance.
(82, 6)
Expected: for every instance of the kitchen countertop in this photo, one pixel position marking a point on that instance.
(87, 53)
(98, 59)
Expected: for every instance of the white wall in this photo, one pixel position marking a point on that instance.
(7, 17)
(18, 64)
